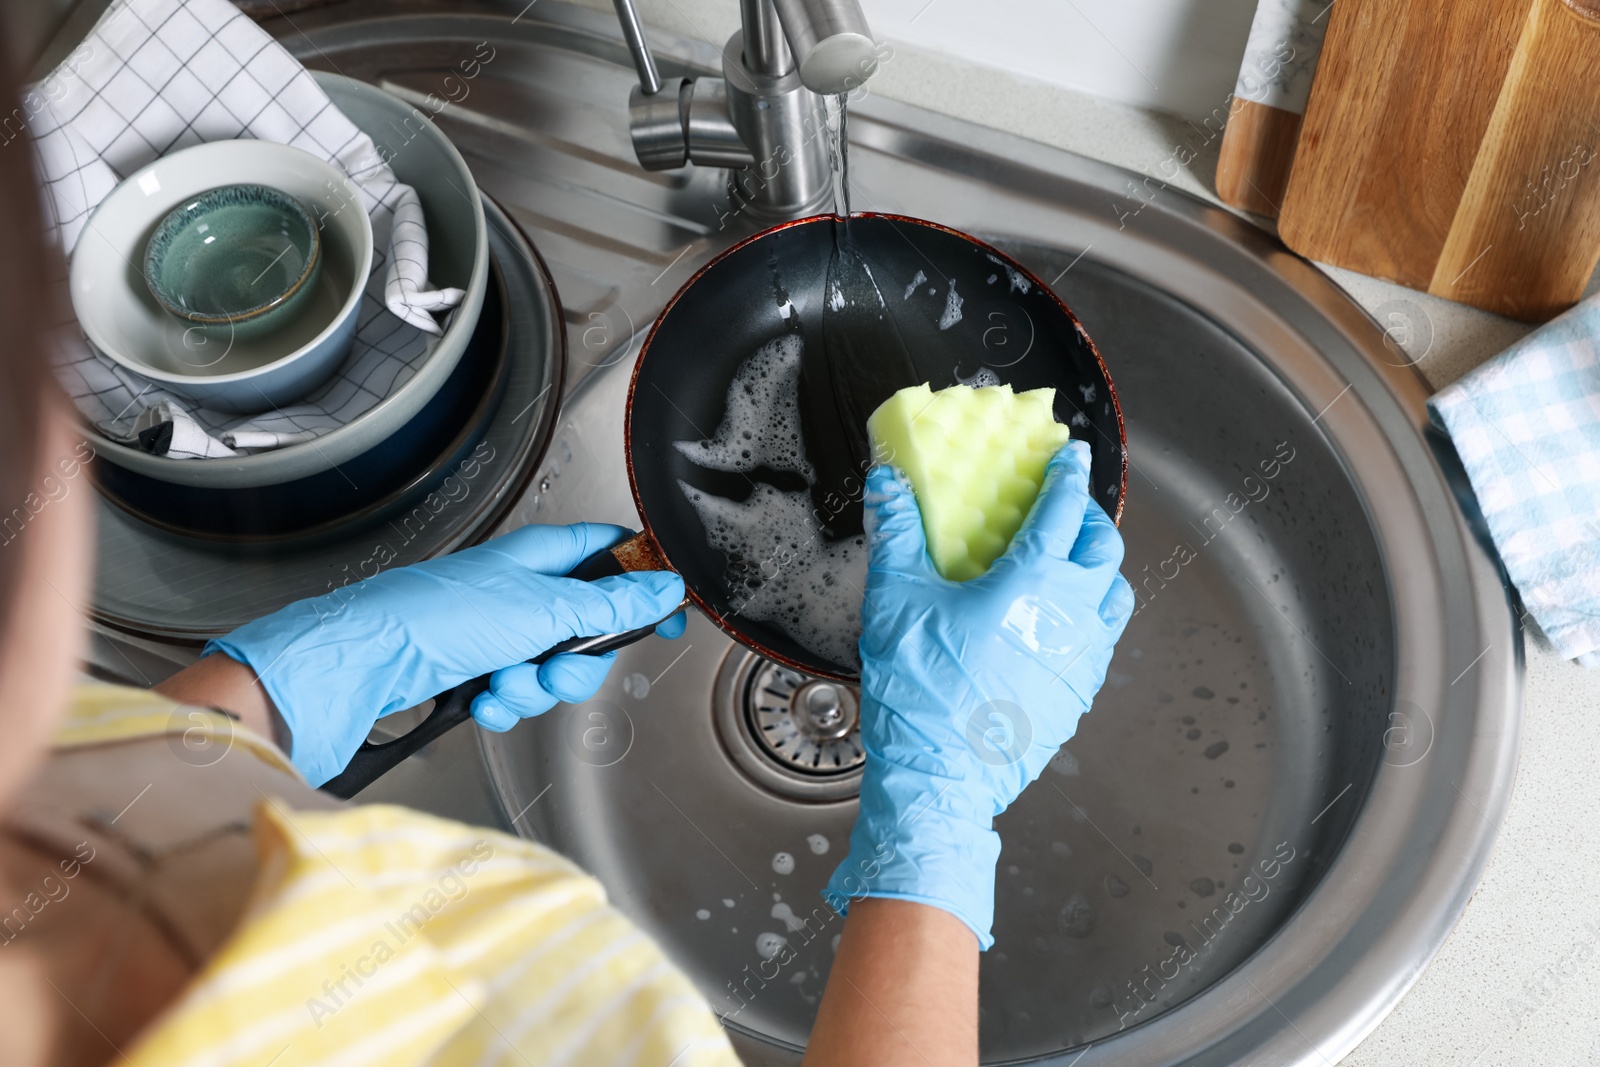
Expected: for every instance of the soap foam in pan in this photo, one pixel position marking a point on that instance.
(761, 427)
(781, 567)
(782, 570)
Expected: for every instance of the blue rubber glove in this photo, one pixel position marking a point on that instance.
(968, 688)
(337, 663)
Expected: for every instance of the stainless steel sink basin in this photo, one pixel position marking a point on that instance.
(1289, 786)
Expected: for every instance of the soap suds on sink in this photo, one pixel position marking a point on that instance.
(918, 280)
(792, 922)
(769, 944)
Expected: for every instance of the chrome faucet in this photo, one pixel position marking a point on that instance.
(765, 119)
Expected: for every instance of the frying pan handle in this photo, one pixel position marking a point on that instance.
(454, 707)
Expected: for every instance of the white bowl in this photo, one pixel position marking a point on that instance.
(458, 256)
(123, 320)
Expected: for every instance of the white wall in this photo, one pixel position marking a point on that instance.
(1180, 56)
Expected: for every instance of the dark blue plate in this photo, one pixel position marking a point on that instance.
(380, 482)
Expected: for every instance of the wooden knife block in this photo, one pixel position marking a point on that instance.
(1453, 146)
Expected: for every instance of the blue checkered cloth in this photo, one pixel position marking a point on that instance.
(1527, 427)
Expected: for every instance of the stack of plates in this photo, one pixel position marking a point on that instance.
(422, 157)
(193, 548)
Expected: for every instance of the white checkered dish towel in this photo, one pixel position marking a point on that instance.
(1527, 427)
(157, 76)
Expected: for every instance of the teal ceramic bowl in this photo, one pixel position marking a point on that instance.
(240, 260)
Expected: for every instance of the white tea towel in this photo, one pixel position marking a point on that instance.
(1527, 427)
(156, 76)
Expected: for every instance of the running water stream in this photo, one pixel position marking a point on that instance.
(838, 154)
(860, 363)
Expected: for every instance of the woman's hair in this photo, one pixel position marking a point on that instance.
(29, 313)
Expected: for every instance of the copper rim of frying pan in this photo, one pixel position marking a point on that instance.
(652, 554)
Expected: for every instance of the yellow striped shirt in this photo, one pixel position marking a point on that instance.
(376, 934)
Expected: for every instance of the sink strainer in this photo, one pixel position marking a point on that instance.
(793, 733)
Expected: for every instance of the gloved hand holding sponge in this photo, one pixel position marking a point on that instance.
(969, 687)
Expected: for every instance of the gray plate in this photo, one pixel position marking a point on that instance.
(153, 584)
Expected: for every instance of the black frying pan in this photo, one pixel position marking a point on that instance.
(1010, 328)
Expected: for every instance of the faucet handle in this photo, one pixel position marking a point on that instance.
(656, 124)
(643, 61)
(655, 118)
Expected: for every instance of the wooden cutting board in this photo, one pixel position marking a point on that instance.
(1268, 102)
(1453, 146)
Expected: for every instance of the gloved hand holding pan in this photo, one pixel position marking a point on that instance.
(746, 426)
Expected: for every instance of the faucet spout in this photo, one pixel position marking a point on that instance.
(831, 42)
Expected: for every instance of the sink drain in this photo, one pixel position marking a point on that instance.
(794, 734)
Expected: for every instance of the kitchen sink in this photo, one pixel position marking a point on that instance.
(1288, 787)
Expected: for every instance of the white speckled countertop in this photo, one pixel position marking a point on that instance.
(1513, 984)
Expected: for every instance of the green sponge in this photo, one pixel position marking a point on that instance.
(975, 458)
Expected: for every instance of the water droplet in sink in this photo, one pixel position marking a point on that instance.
(770, 944)
(1216, 749)
(1193, 734)
(818, 844)
(1236, 848)
(636, 685)
(1061, 848)
(1064, 763)
(1202, 887)
(1077, 916)
(783, 863)
(1116, 886)
(1173, 938)
(834, 944)
(702, 914)
(791, 921)
(726, 902)
(1144, 865)
(1203, 693)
